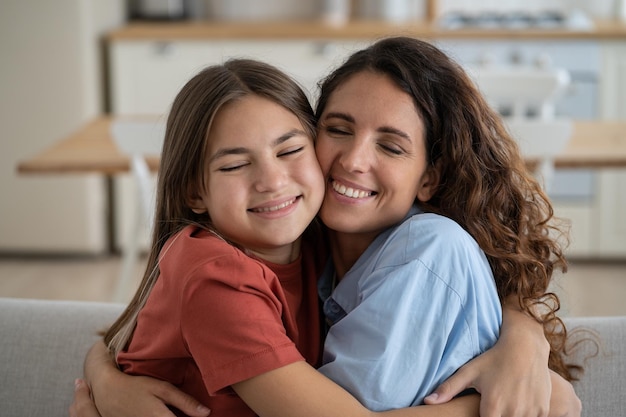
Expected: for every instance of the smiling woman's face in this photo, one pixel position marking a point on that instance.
(371, 148)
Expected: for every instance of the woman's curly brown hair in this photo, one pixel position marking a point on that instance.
(485, 185)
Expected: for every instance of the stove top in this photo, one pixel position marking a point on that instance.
(516, 20)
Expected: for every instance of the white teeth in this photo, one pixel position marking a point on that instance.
(274, 208)
(350, 192)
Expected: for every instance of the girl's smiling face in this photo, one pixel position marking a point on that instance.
(263, 184)
(371, 148)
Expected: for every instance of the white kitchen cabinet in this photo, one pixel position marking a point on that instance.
(613, 81)
(611, 204)
(611, 214)
(146, 76)
(598, 224)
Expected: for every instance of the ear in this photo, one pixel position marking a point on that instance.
(196, 204)
(429, 182)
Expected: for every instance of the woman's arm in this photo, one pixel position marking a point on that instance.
(513, 377)
(82, 404)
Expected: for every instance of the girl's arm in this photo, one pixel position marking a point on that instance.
(513, 377)
(124, 395)
(293, 390)
(299, 390)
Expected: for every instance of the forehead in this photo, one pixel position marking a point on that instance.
(249, 120)
(374, 98)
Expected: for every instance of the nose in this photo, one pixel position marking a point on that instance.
(270, 176)
(356, 155)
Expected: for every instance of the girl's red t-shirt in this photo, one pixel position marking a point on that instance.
(216, 317)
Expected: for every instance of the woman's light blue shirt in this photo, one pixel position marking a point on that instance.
(419, 303)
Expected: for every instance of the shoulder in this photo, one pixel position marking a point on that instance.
(199, 254)
(196, 245)
(429, 235)
(434, 225)
(430, 245)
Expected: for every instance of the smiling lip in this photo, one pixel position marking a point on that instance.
(350, 192)
(275, 207)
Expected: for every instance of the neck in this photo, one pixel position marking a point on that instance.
(283, 255)
(346, 248)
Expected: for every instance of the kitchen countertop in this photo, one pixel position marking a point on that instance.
(356, 29)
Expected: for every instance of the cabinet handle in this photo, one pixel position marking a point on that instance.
(324, 49)
(163, 48)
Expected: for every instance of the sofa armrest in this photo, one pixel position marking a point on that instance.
(43, 346)
(602, 387)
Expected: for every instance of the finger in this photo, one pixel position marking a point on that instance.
(184, 402)
(457, 383)
(82, 406)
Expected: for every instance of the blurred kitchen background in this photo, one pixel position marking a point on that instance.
(68, 61)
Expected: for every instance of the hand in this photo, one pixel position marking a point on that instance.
(116, 394)
(513, 376)
(83, 405)
(564, 401)
(527, 395)
(129, 396)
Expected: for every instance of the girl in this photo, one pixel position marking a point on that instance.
(238, 185)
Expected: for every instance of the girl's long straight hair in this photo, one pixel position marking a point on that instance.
(181, 171)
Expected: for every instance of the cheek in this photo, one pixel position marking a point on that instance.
(324, 156)
(223, 194)
(310, 172)
(414, 184)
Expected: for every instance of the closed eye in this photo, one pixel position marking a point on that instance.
(291, 151)
(336, 131)
(231, 168)
(391, 149)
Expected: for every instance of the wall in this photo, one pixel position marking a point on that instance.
(50, 83)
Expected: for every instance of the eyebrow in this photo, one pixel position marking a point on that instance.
(338, 115)
(382, 129)
(241, 150)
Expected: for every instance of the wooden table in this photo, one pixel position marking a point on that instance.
(594, 144)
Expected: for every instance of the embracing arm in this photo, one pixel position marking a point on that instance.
(513, 377)
(117, 394)
(299, 390)
(293, 390)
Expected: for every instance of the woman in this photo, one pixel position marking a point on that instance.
(480, 180)
(468, 170)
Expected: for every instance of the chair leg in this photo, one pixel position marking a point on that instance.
(130, 254)
(545, 173)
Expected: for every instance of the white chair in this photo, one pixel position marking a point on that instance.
(138, 139)
(526, 97)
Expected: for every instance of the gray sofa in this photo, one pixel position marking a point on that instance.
(43, 343)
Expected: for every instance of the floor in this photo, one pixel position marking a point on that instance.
(588, 289)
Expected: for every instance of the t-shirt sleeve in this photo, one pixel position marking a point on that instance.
(232, 322)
